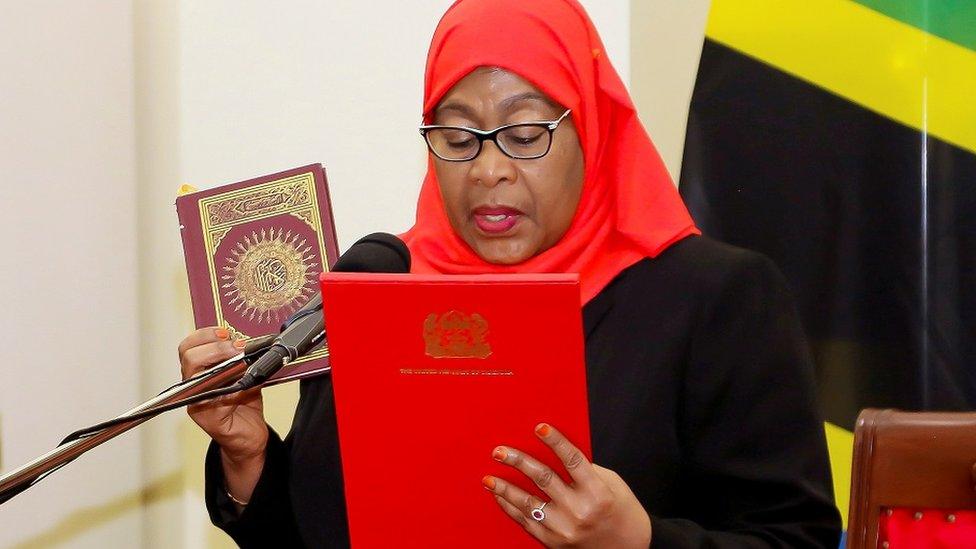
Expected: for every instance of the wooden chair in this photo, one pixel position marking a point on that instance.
(913, 481)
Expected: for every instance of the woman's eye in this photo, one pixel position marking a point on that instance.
(525, 140)
(458, 139)
(461, 143)
(524, 137)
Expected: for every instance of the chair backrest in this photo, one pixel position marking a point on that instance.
(914, 461)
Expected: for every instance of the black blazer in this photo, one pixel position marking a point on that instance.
(701, 394)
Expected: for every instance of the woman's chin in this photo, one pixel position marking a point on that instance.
(503, 251)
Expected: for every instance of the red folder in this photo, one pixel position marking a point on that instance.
(430, 374)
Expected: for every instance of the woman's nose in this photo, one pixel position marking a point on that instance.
(492, 166)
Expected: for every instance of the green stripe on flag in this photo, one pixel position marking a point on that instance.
(954, 20)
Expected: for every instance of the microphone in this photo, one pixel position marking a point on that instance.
(375, 253)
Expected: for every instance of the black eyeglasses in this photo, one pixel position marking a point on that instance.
(520, 141)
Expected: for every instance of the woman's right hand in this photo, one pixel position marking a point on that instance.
(236, 422)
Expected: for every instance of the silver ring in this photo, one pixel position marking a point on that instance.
(539, 514)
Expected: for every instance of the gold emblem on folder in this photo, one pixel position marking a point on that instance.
(456, 335)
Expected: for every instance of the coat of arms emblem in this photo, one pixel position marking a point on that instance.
(456, 335)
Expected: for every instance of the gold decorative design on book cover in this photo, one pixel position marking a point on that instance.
(262, 274)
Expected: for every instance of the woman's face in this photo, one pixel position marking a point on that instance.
(508, 210)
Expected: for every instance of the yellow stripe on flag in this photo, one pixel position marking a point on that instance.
(840, 444)
(885, 65)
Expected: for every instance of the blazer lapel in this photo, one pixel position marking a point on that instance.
(596, 310)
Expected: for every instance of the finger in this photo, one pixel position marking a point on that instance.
(525, 502)
(250, 397)
(201, 336)
(573, 459)
(197, 359)
(518, 504)
(244, 398)
(542, 475)
(534, 528)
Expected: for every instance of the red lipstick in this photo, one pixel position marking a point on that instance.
(496, 220)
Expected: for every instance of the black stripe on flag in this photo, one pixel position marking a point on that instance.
(880, 252)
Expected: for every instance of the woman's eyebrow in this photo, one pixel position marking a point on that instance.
(504, 105)
(460, 108)
(509, 102)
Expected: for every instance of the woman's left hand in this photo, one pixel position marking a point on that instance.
(597, 509)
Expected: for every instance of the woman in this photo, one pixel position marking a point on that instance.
(704, 424)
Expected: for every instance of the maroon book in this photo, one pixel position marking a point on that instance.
(254, 251)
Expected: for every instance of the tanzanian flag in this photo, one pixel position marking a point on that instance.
(839, 138)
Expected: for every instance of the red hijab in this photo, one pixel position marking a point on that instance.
(629, 208)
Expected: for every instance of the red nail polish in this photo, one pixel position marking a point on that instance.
(222, 333)
(240, 343)
(499, 454)
(488, 482)
(543, 430)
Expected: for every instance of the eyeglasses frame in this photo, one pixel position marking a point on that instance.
(491, 135)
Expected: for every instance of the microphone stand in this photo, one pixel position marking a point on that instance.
(218, 376)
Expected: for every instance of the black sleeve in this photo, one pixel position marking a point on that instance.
(298, 500)
(267, 520)
(756, 472)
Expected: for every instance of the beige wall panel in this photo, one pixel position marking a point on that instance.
(666, 43)
(68, 266)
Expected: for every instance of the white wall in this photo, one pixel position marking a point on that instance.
(665, 47)
(68, 266)
(164, 316)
